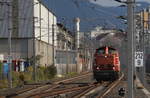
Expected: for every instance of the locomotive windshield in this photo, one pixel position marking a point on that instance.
(101, 51)
(112, 51)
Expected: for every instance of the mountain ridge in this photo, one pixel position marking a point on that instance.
(91, 14)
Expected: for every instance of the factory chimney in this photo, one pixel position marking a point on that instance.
(77, 30)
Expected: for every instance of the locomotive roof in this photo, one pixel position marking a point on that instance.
(105, 47)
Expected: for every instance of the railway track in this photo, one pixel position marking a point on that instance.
(148, 74)
(110, 87)
(69, 89)
(35, 90)
(93, 90)
(66, 91)
(100, 90)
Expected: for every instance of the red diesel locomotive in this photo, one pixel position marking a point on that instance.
(106, 65)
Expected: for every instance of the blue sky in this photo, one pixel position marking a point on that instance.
(112, 2)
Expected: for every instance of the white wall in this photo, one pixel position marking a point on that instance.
(43, 23)
(45, 53)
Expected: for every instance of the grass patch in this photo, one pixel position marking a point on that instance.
(71, 74)
(20, 78)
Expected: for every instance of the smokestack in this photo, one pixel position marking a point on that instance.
(77, 28)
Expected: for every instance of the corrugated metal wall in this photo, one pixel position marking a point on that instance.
(23, 15)
(4, 18)
(45, 51)
(21, 48)
(25, 18)
(65, 61)
(16, 18)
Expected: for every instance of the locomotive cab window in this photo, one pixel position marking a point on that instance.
(112, 51)
(100, 51)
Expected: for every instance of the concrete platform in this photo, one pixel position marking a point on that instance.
(139, 85)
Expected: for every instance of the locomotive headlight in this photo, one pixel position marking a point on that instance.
(105, 56)
(97, 68)
(113, 68)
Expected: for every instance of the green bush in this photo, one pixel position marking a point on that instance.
(50, 72)
(16, 79)
(28, 75)
(40, 74)
(3, 84)
(36, 59)
(70, 74)
(0, 70)
(19, 78)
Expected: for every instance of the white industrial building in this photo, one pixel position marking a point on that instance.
(29, 22)
(100, 30)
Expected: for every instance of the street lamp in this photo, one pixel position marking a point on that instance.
(119, 1)
(122, 17)
(126, 2)
(123, 5)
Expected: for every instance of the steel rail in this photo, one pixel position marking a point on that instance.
(32, 91)
(19, 91)
(87, 90)
(38, 90)
(74, 78)
(110, 87)
(57, 92)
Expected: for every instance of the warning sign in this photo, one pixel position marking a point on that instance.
(139, 59)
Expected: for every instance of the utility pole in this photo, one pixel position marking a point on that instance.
(34, 53)
(130, 49)
(67, 56)
(9, 53)
(10, 59)
(53, 35)
(143, 45)
(9, 44)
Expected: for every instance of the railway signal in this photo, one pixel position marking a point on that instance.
(121, 92)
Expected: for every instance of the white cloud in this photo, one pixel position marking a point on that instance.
(112, 2)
